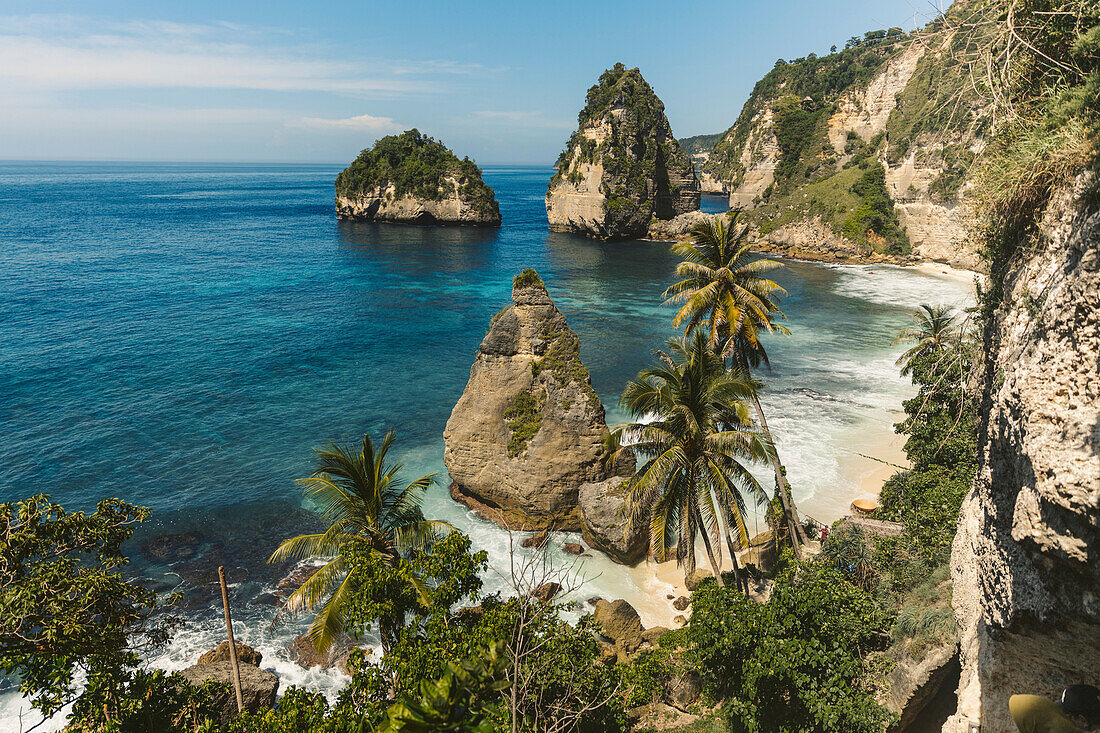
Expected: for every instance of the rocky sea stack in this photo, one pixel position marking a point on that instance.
(622, 167)
(528, 432)
(412, 179)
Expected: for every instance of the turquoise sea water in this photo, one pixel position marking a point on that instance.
(182, 335)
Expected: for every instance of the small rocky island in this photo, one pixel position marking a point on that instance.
(412, 179)
(623, 167)
(524, 446)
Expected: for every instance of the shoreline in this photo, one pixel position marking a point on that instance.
(868, 471)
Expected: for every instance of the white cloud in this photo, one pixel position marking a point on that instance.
(60, 53)
(359, 123)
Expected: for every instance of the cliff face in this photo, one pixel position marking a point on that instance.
(895, 101)
(623, 166)
(382, 204)
(528, 430)
(413, 179)
(1026, 559)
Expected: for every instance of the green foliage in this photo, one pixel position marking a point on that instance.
(793, 663)
(527, 278)
(416, 165)
(699, 143)
(523, 418)
(64, 603)
(875, 213)
(366, 509)
(118, 700)
(465, 699)
(795, 127)
(822, 79)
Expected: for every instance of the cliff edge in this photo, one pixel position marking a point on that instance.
(1026, 558)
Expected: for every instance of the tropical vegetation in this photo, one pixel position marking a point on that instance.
(695, 444)
(358, 494)
(724, 291)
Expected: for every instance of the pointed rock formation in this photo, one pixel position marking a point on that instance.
(622, 167)
(529, 430)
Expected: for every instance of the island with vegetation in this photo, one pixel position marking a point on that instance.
(976, 577)
(623, 167)
(412, 179)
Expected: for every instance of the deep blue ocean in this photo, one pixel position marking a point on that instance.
(181, 336)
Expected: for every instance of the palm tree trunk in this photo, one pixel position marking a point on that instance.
(738, 576)
(790, 513)
(710, 554)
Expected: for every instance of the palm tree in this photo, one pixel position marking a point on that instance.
(725, 291)
(360, 498)
(937, 330)
(693, 450)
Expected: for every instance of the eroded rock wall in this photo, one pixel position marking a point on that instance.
(1026, 558)
(528, 430)
(380, 204)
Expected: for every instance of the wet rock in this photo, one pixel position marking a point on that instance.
(681, 603)
(593, 600)
(605, 513)
(258, 686)
(171, 548)
(680, 622)
(572, 548)
(537, 540)
(245, 654)
(546, 592)
(306, 655)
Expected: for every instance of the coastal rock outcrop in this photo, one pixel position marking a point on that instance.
(605, 521)
(245, 654)
(622, 167)
(529, 429)
(413, 179)
(1026, 557)
(258, 686)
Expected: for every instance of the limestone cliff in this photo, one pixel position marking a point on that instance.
(1026, 558)
(891, 104)
(623, 166)
(529, 430)
(413, 179)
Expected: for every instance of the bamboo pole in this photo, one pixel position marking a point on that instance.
(232, 643)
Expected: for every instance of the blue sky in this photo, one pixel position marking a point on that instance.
(267, 81)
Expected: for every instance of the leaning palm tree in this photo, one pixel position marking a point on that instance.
(724, 290)
(360, 498)
(936, 330)
(695, 444)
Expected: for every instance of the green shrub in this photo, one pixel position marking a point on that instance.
(527, 278)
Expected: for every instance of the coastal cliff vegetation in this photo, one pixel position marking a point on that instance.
(415, 165)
